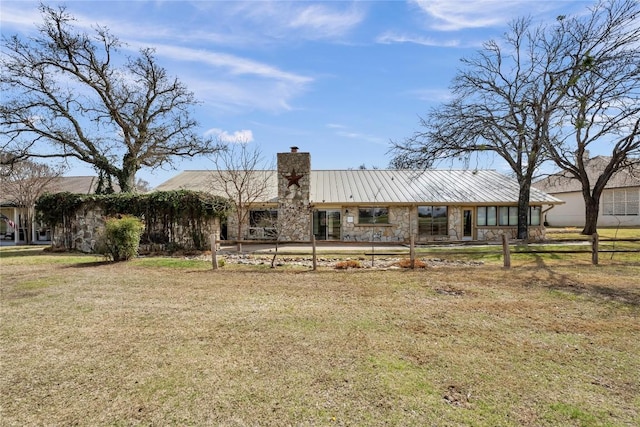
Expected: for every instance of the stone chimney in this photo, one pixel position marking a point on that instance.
(294, 182)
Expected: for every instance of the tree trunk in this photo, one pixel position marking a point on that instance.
(592, 209)
(240, 216)
(127, 180)
(523, 209)
(28, 233)
(127, 175)
(275, 254)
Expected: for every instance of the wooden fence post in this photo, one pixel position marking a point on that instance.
(315, 261)
(214, 252)
(412, 252)
(506, 253)
(594, 249)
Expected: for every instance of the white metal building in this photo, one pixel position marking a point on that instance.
(619, 204)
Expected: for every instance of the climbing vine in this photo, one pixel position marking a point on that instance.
(162, 212)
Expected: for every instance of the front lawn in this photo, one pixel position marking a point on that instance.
(157, 342)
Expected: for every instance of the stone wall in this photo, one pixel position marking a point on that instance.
(294, 183)
(536, 233)
(87, 227)
(398, 229)
(232, 226)
(456, 223)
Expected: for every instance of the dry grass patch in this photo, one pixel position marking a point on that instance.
(406, 263)
(137, 344)
(350, 263)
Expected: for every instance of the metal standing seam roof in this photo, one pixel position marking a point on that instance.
(204, 180)
(561, 182)
(377, 186)
(71, 184)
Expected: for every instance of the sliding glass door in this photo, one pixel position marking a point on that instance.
(326, 225)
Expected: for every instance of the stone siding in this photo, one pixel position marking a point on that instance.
(456, 224)
(536, 233)
(398, 229)
(294, 209)
(88, 226)
(295, 214)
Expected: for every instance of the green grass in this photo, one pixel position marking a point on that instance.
(572, 233)
(39, 255)
(172, 263)
(568, 414)
(162, 341)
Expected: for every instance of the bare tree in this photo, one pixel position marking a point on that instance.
(65, 96)
(244, 177)
(507, 98)
(25, 182)
(602, 106)
(142, 186)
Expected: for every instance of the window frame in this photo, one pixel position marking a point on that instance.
(494, 216)
(255, 222)
(435, 228)
(621, 202)
(375, 214)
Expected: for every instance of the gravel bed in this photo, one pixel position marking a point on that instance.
(382, 262)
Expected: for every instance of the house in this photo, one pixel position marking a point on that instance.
(13, 227)
(619, 203)
(377, 205)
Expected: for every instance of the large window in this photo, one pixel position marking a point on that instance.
(373, 216)
(432, 221)
(263, 218)
(505, 215)
(263, 223)
(622, 201)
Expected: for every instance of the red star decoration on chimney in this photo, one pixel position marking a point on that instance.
(293, 178)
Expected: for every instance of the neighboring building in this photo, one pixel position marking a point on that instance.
(379, 205)
(619, 203)
(14, 223)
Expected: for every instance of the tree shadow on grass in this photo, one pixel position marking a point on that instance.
(22, 252)
(564, 283)
(90, 264)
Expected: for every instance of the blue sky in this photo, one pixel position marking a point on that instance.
(337, 79)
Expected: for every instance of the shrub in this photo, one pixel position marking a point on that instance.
(406, 263)
(350, 263)
(122, 237)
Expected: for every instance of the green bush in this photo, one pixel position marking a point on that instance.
(122, 237)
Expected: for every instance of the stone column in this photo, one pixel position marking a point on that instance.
(294, 180)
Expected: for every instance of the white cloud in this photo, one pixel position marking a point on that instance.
(233, 64)
(225, 94)
(362, 137)
(431, 95)
(239, 136)
(345, 132)
(231, 83)
(335, 126)
(320, 21)
(21, 16)
(265, 22)
(450, 15)
(391, 37)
